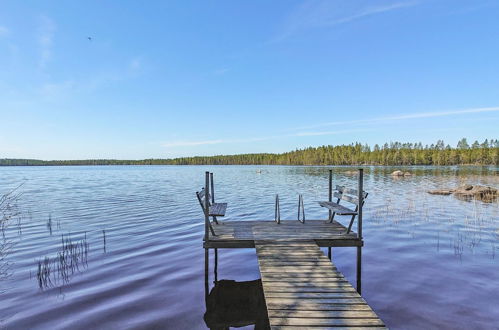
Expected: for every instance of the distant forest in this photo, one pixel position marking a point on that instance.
(394, 153)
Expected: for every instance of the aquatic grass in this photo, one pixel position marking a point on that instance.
(469, 232)
(58, 270)
(49, 224)
(104, 240)
(9, 211)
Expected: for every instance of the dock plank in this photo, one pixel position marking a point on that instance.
(243, 233)
(303, 288)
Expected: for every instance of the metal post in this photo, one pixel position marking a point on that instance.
(277, 210)
(301, 207)
(329, 250)
(299, 204)
(330, 189)
(359, 269)
(206, 284)
(359, 230)
(212, 188)
(206, 208)
(213, 195)
(361, 201)
(216, 266)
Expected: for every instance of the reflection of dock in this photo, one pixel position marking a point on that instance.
(236, 304)
(301, 286)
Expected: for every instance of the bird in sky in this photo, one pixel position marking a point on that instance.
(89, 38)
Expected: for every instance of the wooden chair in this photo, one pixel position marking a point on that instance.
(347, 195)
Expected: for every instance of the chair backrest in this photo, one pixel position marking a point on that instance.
(201, 195)
(349, 195)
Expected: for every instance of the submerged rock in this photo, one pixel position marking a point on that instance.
(441, 191)
(400, 173)
(468, 192)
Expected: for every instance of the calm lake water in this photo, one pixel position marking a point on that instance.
(121, 247)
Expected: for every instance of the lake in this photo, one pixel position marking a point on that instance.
(102, 247)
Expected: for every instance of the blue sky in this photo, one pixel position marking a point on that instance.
(166, 79)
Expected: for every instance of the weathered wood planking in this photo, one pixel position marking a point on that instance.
(339, 209)
(345, 190)
(218, 209)
(350, 199)
(234, 234)
(303, 289)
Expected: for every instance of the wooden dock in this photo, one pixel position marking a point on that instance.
(303, 289)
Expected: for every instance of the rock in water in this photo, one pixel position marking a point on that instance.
(398, 173)
(464, 187)
(468, 192)
(483, 193)
(441, 192)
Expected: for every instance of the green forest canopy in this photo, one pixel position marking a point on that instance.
(393, 153)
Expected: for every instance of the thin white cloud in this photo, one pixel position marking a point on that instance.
(46, 32)
(4, 32)
(442, 113)
(416, 115)
(173, 144)
(135, 64)
(378, 120)
(221, 71)
(369, 11)
(327, 13)
(345, 131)
(56, 91)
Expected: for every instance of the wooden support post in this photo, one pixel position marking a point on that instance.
(207, 208)
(359, 230)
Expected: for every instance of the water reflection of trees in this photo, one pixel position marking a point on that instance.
(236, 304)
(458, 171)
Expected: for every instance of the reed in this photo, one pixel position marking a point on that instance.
(72, 257)
(9, 211)
(475, 230)
(49, 224)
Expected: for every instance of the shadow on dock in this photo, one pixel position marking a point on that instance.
(236, 304)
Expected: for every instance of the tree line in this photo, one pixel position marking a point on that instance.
(393, 153)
